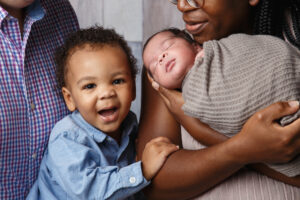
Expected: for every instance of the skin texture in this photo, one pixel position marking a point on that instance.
(261, 139)
(17, 4)
(216, 18)
(16, 9)
(163, 58)
(100, 86)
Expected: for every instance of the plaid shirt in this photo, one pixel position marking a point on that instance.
(30, 103)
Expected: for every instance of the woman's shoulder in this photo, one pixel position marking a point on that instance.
(239, 45)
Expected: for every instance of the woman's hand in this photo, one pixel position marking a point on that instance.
(172, 98)
(174, 101)
(262, 139)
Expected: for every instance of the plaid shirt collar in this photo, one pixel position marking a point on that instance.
(3, 14)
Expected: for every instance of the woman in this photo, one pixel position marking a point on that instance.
(188, 173)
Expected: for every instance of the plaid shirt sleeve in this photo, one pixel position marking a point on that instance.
(30, 103)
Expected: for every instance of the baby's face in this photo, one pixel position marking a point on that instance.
(169, 58)
(100, 86)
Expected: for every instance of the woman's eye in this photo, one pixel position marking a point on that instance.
(118, 81)
(89, 86)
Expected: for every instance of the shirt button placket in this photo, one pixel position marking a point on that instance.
(32, 106)
(33, 156)
(132, 180)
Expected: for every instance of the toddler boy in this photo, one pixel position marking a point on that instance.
(91, 152)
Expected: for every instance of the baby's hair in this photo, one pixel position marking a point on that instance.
(176, 32)
(94, 37)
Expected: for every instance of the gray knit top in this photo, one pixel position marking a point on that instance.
(238, 76)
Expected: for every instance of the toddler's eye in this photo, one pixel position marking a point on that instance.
(89, 86)
(118, 81)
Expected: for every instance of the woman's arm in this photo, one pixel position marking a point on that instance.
(208, 136)
(189, 173)
(174, 101)
(186, 166)
(202, 132)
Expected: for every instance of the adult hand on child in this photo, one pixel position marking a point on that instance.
(172, 98)
(262, 139)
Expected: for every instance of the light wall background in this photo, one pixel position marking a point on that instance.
(136, 20)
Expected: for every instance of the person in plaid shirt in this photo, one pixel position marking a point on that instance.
(30, 102)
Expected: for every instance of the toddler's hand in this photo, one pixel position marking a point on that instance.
(155, 154)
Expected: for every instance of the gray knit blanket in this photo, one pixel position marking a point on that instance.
(238, 76)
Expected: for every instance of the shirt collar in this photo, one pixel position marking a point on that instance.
(129, 126)
(3, 14)
(34, 11)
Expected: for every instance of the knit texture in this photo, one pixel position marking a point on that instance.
(238, 76)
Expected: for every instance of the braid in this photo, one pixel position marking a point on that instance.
(270, 19)
(295, 16)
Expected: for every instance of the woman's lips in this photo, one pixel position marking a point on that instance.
(195, 28)
(170, 64)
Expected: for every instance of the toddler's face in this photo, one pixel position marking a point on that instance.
(99, 84)
(169, 58)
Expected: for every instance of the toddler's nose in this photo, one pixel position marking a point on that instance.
(107, 93)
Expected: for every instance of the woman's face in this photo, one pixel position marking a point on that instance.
(217, 18)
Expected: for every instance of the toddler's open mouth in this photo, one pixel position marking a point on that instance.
(109, 114)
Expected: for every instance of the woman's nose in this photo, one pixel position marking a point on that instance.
(184, 6)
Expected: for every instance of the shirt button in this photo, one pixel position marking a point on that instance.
(33, 155)
(132, 180)
(32, 106)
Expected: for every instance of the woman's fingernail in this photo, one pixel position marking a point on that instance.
(177, 146)
(294, 103)
(155, 85)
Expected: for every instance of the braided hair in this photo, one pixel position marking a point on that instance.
(270, 19)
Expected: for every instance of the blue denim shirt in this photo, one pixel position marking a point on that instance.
(82, 162)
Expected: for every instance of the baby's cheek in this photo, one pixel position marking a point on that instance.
(201, 53)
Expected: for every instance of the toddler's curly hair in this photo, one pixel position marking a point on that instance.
(95, 37)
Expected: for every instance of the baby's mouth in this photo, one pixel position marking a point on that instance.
(109, 114)
(170, 64)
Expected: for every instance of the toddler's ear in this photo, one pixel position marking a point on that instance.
(253, 2)
(68, 99)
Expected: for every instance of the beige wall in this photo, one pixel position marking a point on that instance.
(126, 16)
(159, 14)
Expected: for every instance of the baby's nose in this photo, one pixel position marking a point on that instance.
(162, 57)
